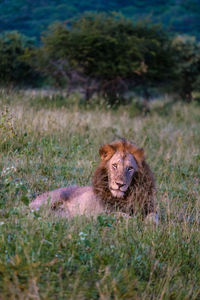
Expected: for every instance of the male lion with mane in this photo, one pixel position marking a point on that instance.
(123, 182)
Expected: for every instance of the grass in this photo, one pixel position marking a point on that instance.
(56, 144)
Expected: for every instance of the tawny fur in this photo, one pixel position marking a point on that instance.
(98, 198)
(140, 194)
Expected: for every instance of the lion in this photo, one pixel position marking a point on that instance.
(123, 182)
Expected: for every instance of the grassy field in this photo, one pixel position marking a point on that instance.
(46, 142)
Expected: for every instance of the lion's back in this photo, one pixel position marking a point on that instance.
(71, 201)
(52, 197)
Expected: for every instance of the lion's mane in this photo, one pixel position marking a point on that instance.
(139, 196)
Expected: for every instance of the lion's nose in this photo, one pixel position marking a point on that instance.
(120, 184)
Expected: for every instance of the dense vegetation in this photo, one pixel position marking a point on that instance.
(102, 65)
(45, 145)
(13, 68)
(106, 56)
(32, 17)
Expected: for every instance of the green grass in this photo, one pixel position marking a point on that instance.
(54, 145)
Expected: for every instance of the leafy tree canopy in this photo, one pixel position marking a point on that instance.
(187, 55)
(13, 68)
(110, 53)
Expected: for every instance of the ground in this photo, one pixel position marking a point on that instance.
(49, 142)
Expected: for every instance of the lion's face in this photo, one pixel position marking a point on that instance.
(121, 168)
(122, 160)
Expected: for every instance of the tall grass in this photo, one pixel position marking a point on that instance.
(52, 145)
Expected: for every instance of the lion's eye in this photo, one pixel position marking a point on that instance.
(130, 169)
(114, 166)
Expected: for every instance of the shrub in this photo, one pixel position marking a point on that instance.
(13, 68)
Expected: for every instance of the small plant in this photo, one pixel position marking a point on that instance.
(6, 124)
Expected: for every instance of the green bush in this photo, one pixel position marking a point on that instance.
(187, 55)
(13, 67)
(106, 55)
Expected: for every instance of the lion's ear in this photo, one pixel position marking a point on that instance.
(139, 156)
(106, 152)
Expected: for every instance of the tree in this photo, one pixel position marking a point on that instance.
(51, 58)
(187, 66)
(105, 50)
(107, 55)
(13, 68)
(158, 60)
